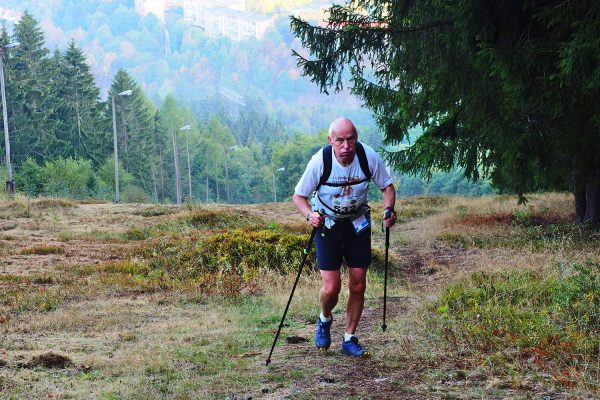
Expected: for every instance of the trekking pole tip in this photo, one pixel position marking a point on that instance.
(383, 327)
(268, 362)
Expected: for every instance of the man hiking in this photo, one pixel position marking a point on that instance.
(340, 174)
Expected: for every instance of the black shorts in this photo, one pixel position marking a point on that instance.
(341, 241)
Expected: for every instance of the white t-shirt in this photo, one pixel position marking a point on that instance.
(350, 200)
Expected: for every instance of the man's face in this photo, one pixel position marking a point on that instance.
(343, 140)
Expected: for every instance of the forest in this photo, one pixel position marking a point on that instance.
(169, 149)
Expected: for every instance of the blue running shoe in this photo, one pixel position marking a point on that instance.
(352, 348)
(322, 334)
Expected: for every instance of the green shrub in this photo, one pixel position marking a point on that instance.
(556, 316)
(241, 252)
(29, 178)
(69, 178)
(137, 234)
(106, 178)
(26, 299)
(135, 194)
(43, 249)
(523, 217)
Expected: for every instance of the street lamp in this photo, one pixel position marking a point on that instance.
(10, 185)
(227, 172)
(115, 142)
(274, 185)
(187, 150)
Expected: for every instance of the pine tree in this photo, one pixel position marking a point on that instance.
(506, 90)
(170, 122)
(160, 148)
(61, 146)
(84, 125)
(29, 89)
(135, 128)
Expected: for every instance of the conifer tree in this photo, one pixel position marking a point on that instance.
(84, 125)
(171, 121)
(160, 149)
(60, 146)
(507, 89)
(135, 128)
(30, 109)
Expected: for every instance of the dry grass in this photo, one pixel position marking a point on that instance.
(137, 334)
(43, 249)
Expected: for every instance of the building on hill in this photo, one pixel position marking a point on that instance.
(156, 7)
(236, 25)
(218, 18)
(195, 10)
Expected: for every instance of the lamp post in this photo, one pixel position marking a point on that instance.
(116, 143)
(187, 150)
(274, 184)
(227, 173)
(175, 136)
(10, 184)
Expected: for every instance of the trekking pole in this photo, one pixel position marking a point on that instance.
(306, 252)
(388, 214)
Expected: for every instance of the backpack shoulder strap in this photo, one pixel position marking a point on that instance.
(326, 165)
(362, 159)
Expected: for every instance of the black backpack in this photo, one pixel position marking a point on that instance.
(362, 159)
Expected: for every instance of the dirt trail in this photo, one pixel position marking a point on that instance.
(420, 267)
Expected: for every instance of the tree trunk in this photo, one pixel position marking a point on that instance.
(176, 162)
(125, 146)
(586, 189)
(80, 140)
(579, 193)
(162, 176)
(154, 184)
(592, 199)
(187, 150)
(207, 188)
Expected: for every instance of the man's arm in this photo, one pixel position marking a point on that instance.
(389, 200)
(313, 217)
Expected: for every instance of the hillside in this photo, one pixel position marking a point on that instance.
(174, 56)
(486, 299)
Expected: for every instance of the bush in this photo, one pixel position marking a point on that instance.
(106, 178)
(242, 252)
(135, 194)
(552, 316)
(69, 178)
(29, 178)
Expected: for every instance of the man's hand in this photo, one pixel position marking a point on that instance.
(315, 219)
(389, 217)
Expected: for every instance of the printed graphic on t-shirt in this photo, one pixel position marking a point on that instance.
(345, 202)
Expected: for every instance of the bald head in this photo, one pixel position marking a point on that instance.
(341, 124)
(343, 138)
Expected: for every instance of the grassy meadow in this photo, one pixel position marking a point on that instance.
(486, 299)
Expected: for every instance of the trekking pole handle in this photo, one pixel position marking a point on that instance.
(388, 212)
